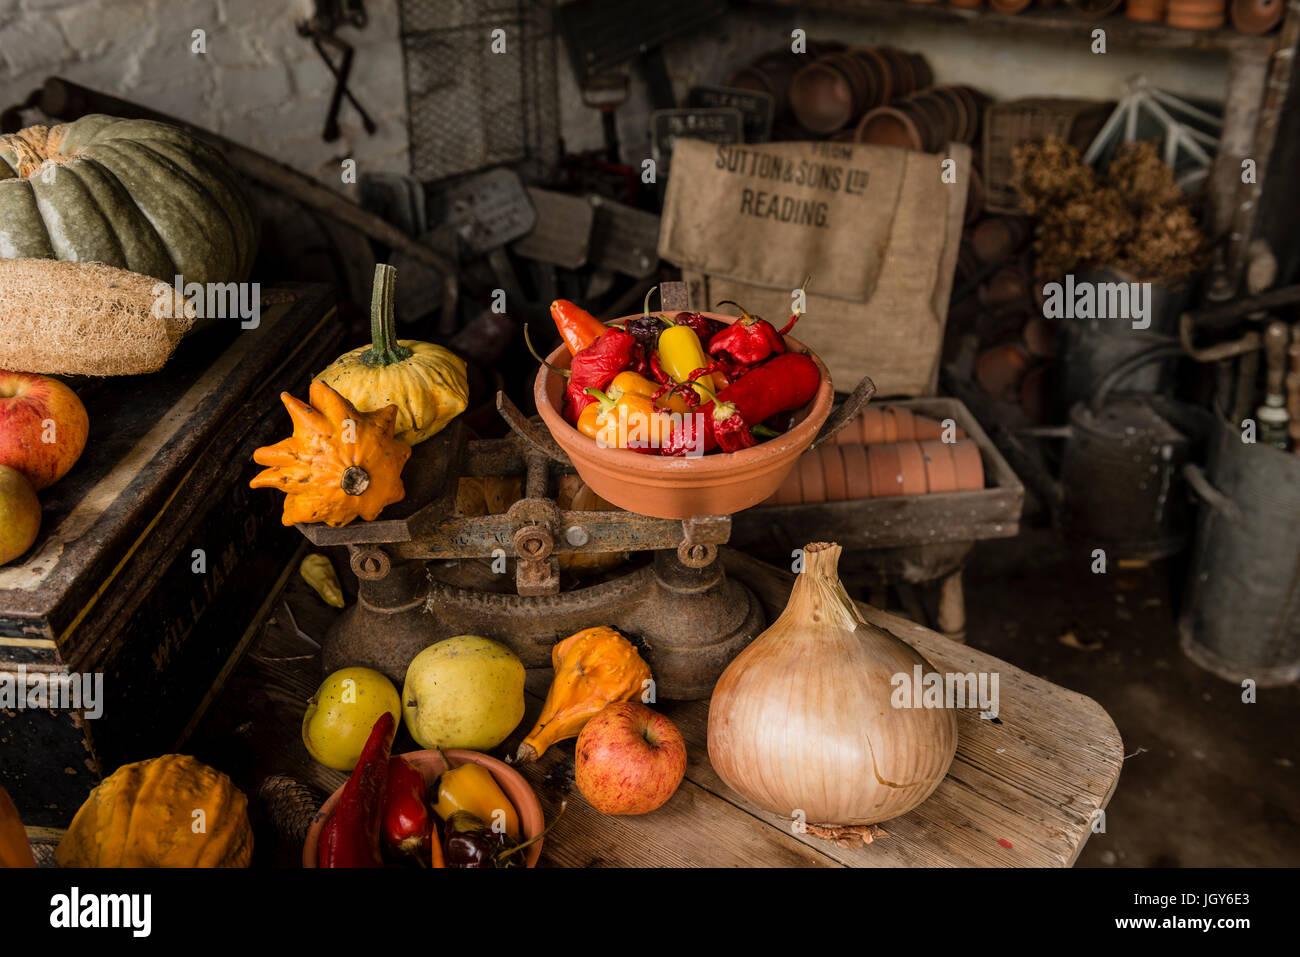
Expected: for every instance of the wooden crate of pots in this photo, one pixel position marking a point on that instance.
(908, 472)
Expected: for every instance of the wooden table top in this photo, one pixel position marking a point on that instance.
(1022, 791)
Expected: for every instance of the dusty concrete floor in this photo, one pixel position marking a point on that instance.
(1208, 781)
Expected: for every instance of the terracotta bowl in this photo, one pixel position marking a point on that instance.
(720, 483)
(429, 763)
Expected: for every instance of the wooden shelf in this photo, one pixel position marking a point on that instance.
(1057, 21)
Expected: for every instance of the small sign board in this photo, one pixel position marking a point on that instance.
(714, 124)
(756, 108)
(489, 209)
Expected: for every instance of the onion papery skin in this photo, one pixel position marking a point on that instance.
(801, 722)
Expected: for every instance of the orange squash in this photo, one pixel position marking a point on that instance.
(338, 464)
(171, 811)
(14, 849)
(593, 668)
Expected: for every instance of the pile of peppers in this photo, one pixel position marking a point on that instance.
(633, 387)
(386, 815)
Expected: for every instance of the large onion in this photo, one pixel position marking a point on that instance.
(802, 724)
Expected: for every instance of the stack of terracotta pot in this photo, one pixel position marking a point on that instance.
(773, 72)
(827, 95)
(887, 451)
(925, 120)
(1196, 14)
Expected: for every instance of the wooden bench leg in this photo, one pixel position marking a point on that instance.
(952, 608)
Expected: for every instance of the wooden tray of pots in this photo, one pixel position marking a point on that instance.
(908, 472)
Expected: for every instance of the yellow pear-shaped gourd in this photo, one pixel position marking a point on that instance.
(426, 382)
(338, 464)
(171, 811)
(593, 668)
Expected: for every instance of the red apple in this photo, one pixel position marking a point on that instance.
(629, 759)
(20, 514)
(43, 427)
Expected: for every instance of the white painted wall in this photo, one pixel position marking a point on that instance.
(259, 82)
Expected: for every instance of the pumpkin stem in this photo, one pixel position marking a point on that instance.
(384, 349)
(355, 480)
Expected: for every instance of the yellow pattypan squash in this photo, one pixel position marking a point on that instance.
(426, 382)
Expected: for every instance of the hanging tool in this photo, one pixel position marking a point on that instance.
(329, 15)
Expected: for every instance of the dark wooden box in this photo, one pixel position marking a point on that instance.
(898, 521)
(114, 586)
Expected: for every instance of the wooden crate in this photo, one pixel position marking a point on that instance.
(114, 585)
(899, 520)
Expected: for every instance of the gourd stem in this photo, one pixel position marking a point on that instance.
(384, 349)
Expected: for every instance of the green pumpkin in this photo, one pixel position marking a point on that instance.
(136, 194)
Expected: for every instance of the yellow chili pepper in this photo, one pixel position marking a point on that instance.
(471, 787)
(680, 354)
(317, 572)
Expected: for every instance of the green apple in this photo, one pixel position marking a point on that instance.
(464, 692)
(342, 712)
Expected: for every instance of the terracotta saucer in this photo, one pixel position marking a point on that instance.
(821, 98)
(912, 468)
(886, 470)
(940, 472)
(837, 486)
(856, 476)
(968, 464)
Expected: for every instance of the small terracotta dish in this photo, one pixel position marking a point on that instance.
(429, 763)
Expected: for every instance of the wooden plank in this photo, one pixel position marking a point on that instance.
(1056, 21)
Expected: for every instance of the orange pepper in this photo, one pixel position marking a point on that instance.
(630, 421)
(636, 384)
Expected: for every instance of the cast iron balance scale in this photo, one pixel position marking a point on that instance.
(687, 616)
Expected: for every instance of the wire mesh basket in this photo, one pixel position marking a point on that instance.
(470, 107)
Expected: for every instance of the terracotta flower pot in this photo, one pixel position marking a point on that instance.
(940, 472)
(429, 763)
(837, 485)
(911, 467)
(1145, 11)
(1009, 6)
(812, 478)
(822, 97)
(856, 475)
(1257, 16)
(720, 483)
(891, 126)
(968, 464)
(885, 469)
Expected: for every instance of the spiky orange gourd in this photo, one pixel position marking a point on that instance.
(338, 464)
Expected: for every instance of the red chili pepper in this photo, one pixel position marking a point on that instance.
(592, 368)
(577, 326)
(787, 381)
(351, 837)
(406, 816)
(749, 339)
(705, 329)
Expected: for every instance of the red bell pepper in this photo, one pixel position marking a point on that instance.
(351, 837)
(787, 381)
(407, 827)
